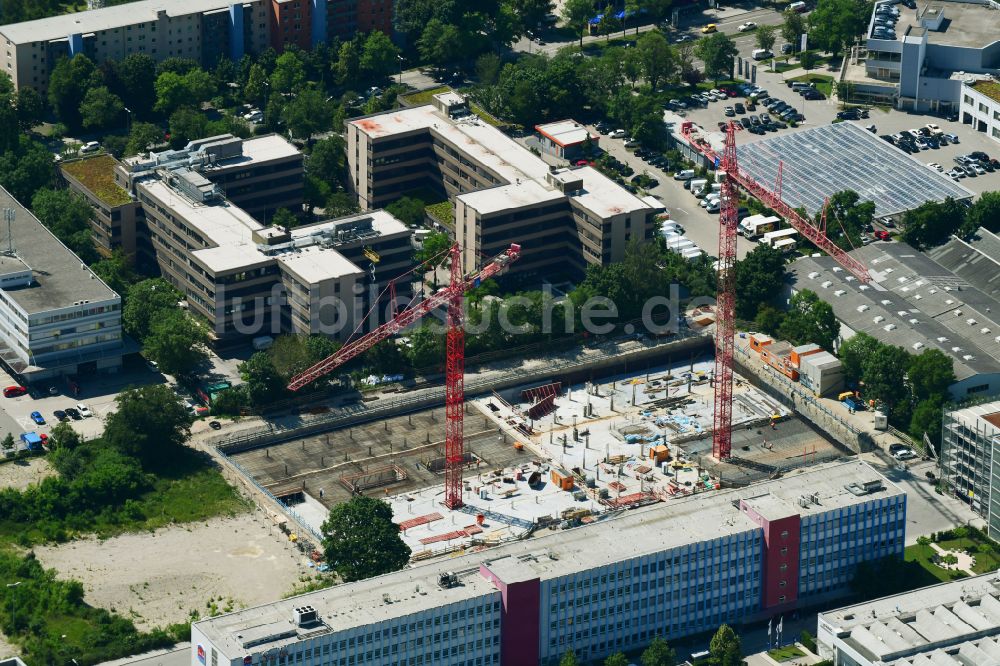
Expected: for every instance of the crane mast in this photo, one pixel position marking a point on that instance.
(452, 298)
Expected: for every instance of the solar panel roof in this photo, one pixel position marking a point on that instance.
(821, 161)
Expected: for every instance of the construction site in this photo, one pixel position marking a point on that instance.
(542, 457)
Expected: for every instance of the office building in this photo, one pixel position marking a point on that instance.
(202, 30)
(942, 299)
(260, 175)
(57, 318)
(951, 624)
(970, 441)
(669, 570)
(921, 64)
(564, 219)
(981, 105)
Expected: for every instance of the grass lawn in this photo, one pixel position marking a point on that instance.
(823, 83)
(785, 653)
(923, 557)
(985, 562)
(443, 212)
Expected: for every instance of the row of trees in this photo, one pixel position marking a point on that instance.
(935, 222)
(725, 649)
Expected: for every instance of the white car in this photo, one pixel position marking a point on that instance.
(933, 128)
(935, 166)
(617, 134)
(254, 116)
(979, 169)
(904, 454)
(84, 410)
(631, 143)
(90, 147)
(955, 174)
(749, 25)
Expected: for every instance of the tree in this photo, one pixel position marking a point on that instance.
(659, 63)
(100, 108)
(632, 8)
(308, 113)
(724, 644)
(853, 353)
(30, 108)
(616, 659)
(757, 278)
(151, 424)
(439, 43)
(810, 319)
(836, 23)
(378, 56)
(327, 160)
(175, 90)
(187, 124)
(792, 28)
(346, 70)
(884, 375)
(577, 15)
(426, 347)
(115, 271)
(176, 342)
(145, 302)
(7, 444)
(926, 419)
(984, 213)
(531, 12)
(659, 654)
(847, 216)
(433, 250)
(67, 215)
(932, 223)
(68, 85)
(360, 540)
(137, 76)
(289, 72)
(488, 68)
(26, 169)
(63, 436)
(632, 65)
(717, 52)
(141, 137)
(931, 372)
(407, 210)
(569, 659)
(385, 358)
(766, 35)
(264, 384)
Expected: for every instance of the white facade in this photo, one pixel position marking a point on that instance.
(981, 107)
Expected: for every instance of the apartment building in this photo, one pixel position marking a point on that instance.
(981, 105)
(565, 219)
(970, 459)
(950, 624)
(57, 317)
(669, 570)
(203, 30)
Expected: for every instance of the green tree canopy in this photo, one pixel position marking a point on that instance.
(846, 218)
(717, 52)
(69, 82)
(569, 659)
(659, 654)
(931, 372)
(759, 276)
(409, 211)
(145, 302)
(137, 78)
(308, 113)
(289, 73)
(150, 423)
(792, 28)
(985, 212)
(853, 352)
(176, 342)
(67, 215)
(766, 36)
(26, 169)
(576, 14)
(659, 64)
(810, 319)
(616, 659)
(885, 375)
(360, 540)
(30, 108)
(378, 56)
(835, 24)
(933, 223)
(100, 108)
(724, 644)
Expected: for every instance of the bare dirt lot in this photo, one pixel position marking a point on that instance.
(22, 473)
(156, 579)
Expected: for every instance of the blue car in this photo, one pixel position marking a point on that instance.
(37, 418)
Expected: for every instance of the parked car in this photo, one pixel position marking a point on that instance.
(59, 414)
(254, 116)
(953, 138)
(38, 418)
(882, 235)
(90, 147)
(729, 111)
(787, 49)
(14, 391)
(84, 410)
(617, 134)
(749, 25)
(631, 143)
(955, 174)
(935, 166)
(739, 107)
(711, 27)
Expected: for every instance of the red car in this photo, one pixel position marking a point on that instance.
(882, 235)
(14, 391)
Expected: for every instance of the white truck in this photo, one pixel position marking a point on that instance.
(756, 226)
(772, 238)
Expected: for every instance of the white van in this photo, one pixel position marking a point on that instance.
(686, 174)
(699, 187)
(762, 54)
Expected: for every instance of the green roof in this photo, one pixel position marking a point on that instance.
(989, 88)
(97, 175)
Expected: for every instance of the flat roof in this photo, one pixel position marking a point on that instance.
(987, 87)
(525, 173)
(228, 230)
(648, 530)
(986, 412)
(966, 24)
(60, 278)
(911, 302)
(951, 623)
(564, 132)
(97, 174)
(60, 27)
(821, 161)
(267, 148)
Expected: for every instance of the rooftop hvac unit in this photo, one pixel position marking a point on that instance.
(826, 284)
(956, 349)
(304, 615)
(932, 291)
(886, 301)
(889, 327)
(837, 269)
(984, 330)
(448, 579)
(839, 292)
(918, 345)
(872, 486)
(862, 308)
(913, 321)
(968, 357)
(813, 275)
(942, 339)
(970, 321)
(804, 501)
(879, 319)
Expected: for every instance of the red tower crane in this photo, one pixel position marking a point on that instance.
(451, 297)
(725, 317)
